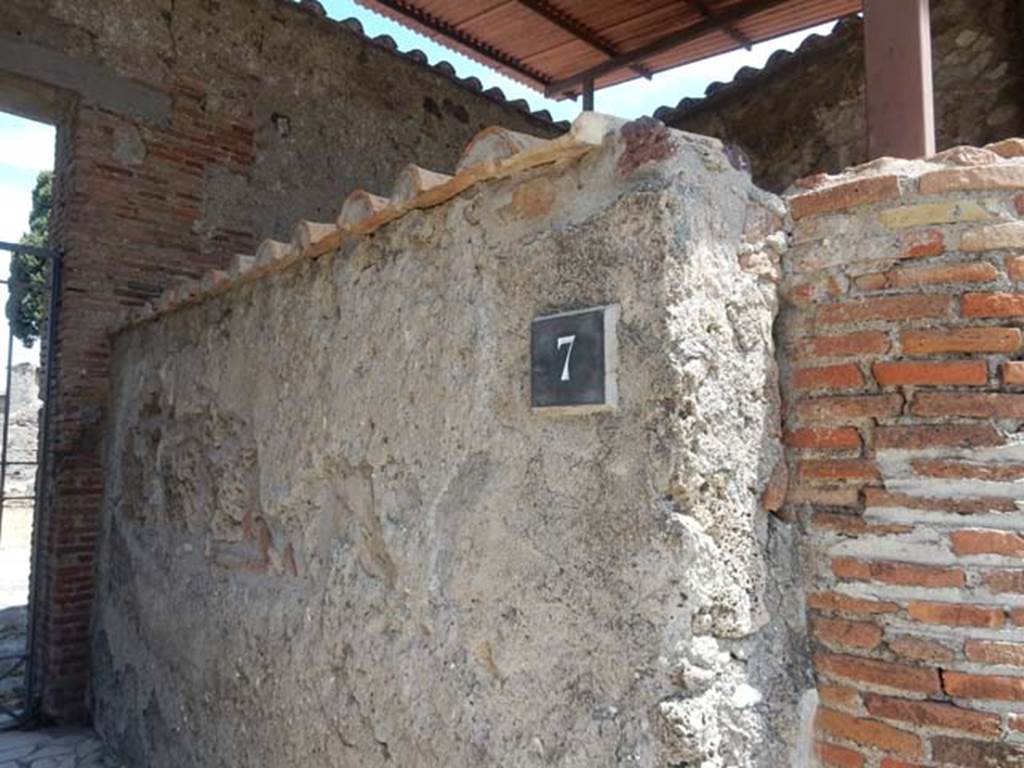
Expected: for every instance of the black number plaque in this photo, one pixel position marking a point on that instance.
(574, 360)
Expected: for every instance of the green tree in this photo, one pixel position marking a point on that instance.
(26, 298)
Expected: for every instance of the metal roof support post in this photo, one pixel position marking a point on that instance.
(588, 95)
(898, 74)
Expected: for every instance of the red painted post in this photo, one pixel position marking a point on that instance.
(898, 69)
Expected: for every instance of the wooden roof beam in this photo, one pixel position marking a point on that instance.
(578, 30)
(443, 28)
(734, 33)
(733, 15)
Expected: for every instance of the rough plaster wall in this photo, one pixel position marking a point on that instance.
(188, 131)
(335, 533)
(806, 114)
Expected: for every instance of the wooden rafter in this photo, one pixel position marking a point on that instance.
(443, 28)
(578, 30)
(683, 36)
(734, 33)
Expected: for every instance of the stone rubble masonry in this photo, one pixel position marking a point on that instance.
(188, 132)
(803, 113)
(332, 512)
(903, 305)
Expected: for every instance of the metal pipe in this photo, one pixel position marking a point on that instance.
(588, 95)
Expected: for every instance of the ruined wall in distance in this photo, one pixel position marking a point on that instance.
(804, 113)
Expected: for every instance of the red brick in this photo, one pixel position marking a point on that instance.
(851, 408)
(828, 377)
(773, 498)
(1015, 722)
(881, 673)
(851, 634)
(989, 405)
(838, 696)
(911, 307)
(906, 574)
(967, 340)
(935, 714)
(917, 245)
(833, 602)
(839, 197)
(833, 756)
(920, 649)
(994, 652)
(993, 305)
(945, 373)
(1015, 264)
(1017, 616)
(843, 345)
(838, 471)
(815, 290)
(869, 733)
(1012, 373)
(824, 438)
(987, 542)
(955, 614)
(938, 435)
(874, 281)
(913, 277)
(961, 685)
(1005, 581)
(972, 753)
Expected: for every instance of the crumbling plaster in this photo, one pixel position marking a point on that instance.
(336, 534)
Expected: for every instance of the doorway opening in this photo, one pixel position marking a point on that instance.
(29, 285)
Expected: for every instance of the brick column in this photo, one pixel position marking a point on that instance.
(904, 402)
(128, 216)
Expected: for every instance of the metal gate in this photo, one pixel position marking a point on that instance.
(18, 673)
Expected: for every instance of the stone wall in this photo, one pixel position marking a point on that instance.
(901, 340)
(187, 132)
(336, 534)
(804, 113)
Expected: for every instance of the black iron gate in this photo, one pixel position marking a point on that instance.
(18, 673)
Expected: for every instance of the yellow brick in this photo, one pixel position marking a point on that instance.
(933, 213)
(996, 237)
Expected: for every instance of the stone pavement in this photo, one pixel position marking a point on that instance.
(54, 748)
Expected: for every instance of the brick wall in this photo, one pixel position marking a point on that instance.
(804, 112)
(904, 400)
(186, 135)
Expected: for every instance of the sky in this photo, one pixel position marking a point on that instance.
(27, 147)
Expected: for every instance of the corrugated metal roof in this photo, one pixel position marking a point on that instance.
(547, 44)
(442, 68)
(746, 78)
